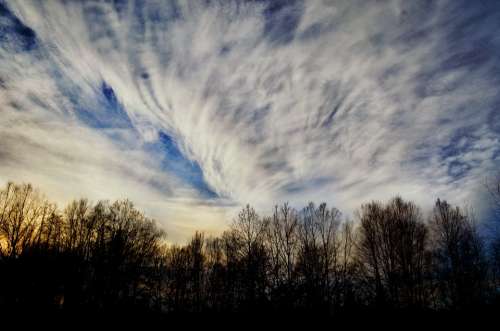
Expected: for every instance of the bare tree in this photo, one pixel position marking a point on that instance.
(110, 255)
(459, 254)
(215, 273)
(347, 266)
(309, 264)
(249, 229)
(392, 251)
(282, 244)
(78, 227)
(23, 209)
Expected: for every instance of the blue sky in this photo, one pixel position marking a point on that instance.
(194, 108)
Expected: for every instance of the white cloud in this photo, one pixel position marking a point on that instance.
(357, 106)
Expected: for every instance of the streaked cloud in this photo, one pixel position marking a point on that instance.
(193, 108)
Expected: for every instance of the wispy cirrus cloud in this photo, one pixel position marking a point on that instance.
(193, 108)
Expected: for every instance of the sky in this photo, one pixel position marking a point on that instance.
(193, 109)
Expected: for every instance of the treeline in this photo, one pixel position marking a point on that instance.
(110, 256)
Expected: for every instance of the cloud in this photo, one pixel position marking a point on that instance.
(192, 109)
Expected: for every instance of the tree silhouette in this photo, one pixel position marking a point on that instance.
(109, 256)
(392, 251)
(460, 257)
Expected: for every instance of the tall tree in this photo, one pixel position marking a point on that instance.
(392, 250)
(249, 230)
(282, 243)
(459, 256)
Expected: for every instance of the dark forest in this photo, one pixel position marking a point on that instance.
(109, 256)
